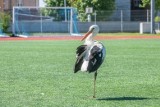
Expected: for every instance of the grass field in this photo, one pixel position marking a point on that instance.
(39, 74)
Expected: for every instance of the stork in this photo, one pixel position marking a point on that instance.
(90, 55)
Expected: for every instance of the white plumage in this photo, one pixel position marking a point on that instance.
(90, 55)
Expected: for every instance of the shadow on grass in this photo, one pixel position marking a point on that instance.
(124, 98)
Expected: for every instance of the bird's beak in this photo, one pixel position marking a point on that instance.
(87, 34)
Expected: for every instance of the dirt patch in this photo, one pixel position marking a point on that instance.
(78, 38)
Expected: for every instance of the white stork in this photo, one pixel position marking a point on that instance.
(90, 55)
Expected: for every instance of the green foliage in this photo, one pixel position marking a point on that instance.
(157, 19)
(98, 6)
(146, 3)
(58, 15)
(55, 3)
(157, 4)
(5, 19)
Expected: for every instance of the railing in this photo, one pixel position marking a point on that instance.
(121, 15)
(109, 21)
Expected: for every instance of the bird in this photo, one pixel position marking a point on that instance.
(90, 55)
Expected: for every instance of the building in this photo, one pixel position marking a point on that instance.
(122, 6)
(132, 11)
(137, 12)
(7, 5)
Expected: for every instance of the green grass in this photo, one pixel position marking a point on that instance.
(39, 74)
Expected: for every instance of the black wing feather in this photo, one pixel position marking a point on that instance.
(81, 50)
(95, 59)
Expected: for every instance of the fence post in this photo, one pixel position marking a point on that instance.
(41, 23)
(71, 21)
(147, 15)
(152, 16)
(158, 21)
(13, 21)
(121, 20)
(95, 18)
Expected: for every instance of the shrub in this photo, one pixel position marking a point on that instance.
(157, 19)
(5, 19)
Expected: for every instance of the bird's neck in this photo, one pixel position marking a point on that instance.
(89, 40)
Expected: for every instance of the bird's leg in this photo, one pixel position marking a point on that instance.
(94, 90)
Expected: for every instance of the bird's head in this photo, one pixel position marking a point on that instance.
(93, 30)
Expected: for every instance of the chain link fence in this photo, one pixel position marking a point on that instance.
(108, 21)
(120, 20)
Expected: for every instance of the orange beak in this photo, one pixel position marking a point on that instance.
(87, 34)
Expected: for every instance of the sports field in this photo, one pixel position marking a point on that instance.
(38, 73)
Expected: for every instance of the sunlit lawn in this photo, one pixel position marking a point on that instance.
(39, 74)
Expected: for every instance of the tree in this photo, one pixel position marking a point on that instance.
(98, 5)
(82, 4)
(55, 3)
(146, 3)
(58, 14)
